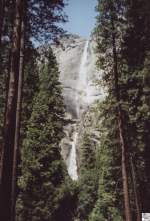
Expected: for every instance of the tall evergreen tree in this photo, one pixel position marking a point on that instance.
(135, 52)
(50, 14)
(109, 15)
(8, 149)
(43, 171)
(109, 204)
(18, 121)
(123, 34)
(88, 172)
(2, 12)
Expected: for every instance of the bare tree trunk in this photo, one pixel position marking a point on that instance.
(6, 98)
(2, 12)
(137, 204)
(124, 163)
(120, 124)
(10, 122)
(18, 121)
(7, 77)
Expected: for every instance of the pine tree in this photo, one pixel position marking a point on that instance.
(131, 48)
(50, 14)
(43, 170)
(135, 52)
(88, 163)
(109, 15)
(6, 32)
(7, 152)
(18, 122)
(109, 203)
(2, 12)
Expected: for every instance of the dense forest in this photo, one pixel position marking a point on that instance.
(113, 182)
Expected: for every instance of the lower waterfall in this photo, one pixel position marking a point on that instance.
(72, 164)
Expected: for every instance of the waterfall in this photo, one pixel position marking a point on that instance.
(82, 87)
(83, 69)
(72, 165)
(81, 98)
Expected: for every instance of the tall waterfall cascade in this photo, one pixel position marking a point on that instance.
(82, 88)
(82, 93)
(78, 74)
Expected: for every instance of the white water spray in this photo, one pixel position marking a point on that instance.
(72, 165)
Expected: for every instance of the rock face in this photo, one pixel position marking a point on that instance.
(78, 75)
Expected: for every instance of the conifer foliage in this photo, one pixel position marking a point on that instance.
(43, 172)
(88, 179)
(20, 21)
(122, 51)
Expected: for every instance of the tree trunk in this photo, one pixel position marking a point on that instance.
(124, 163)
(7, 78)
(10, 122)
(120, 124)
(2, 9)
(6, 97)
(18, 121)
(2, 12)
(138, 209)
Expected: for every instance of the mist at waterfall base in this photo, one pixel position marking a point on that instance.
(82, 96)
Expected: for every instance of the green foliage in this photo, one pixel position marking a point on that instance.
(30, 87)
(109, 196)
(135, 52)
(4, 67)
(100, 184)
(42, 19)
(43, 188)
(88, 180)
(132, 47)
(88, 177)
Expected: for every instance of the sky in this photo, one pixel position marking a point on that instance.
(81, 15)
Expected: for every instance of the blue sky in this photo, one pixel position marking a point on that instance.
(81, 15)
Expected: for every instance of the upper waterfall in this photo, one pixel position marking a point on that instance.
(78, 73)
(83, 67)
(81, 95)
